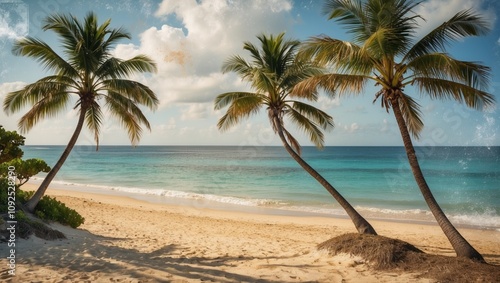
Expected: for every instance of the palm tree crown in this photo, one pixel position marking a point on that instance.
(273, 72)
(85, 69)
(88, 71)
(385, 49)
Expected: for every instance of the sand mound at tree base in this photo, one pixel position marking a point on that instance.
(384, 253)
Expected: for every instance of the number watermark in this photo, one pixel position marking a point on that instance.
(11, 222)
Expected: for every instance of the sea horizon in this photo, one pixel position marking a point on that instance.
(376, 180)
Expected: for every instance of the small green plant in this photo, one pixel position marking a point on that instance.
(47, 209)
(51, 209)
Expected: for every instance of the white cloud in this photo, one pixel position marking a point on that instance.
(353, 128)
(189, 62)
(350, 128)
(13, 20)
(326, 102)
(436, 12)
(196, 111)
(385, 126)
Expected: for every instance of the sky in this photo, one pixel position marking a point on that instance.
(189, 40)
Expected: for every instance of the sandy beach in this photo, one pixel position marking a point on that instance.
(129, 240)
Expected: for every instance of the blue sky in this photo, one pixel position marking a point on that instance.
(190, 39)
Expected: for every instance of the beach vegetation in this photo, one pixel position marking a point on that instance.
(86, 76)
(10, 145)
(15, 172)
(50, 209)
(386, 50)
(25, 169)
(273, 72)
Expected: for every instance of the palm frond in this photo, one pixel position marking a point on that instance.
(93, 118)
(319, 117)
(241, 105)
(445, 89)
(254, 53)
(113, 36)
(68, 29)
(443, 66)
(113, 68)
(137, 64)
(306, 125)
(265, 81)
(44, 54)
(341, 84)
(129, 115)
(295, 74)
(463, 24)
(31, 94)
(325, 50)
(412, 115)
(392, 24)
(133, 90)
(49, 106)
(350, 14)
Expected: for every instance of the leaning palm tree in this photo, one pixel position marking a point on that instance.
(386, 50)
(273, 73)
(87, 71)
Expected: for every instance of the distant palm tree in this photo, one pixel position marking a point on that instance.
(386, 51)
(86, 70)
(273, 72)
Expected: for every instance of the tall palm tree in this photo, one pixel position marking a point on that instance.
(87, 71)
(273, 73)
(386, 50)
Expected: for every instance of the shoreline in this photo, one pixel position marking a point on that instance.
(129, 240)
(258, 210)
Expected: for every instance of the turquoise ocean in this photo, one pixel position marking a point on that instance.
(375, 180)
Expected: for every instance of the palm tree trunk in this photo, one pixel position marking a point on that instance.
(40, 192)
(459, 243)
(360, 223)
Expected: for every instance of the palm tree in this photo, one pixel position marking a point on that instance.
(273, 72)
(91, 74)
(385, 50)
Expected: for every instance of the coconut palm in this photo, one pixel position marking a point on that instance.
(385, 50)
(273, 72)
(87, 71)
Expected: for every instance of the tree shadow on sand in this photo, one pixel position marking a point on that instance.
(97, 257)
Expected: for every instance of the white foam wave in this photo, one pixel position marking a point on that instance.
(175, 194)
(198, 196)
(484, 220)
(488, 219)
(388, 211)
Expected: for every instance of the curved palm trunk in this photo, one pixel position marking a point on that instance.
(459, 243)
(40, 192)
(360, 223)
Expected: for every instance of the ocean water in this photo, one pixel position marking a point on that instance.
(375, 180)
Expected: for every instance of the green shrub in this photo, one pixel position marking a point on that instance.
(51, 209)
(4, 196)
(47, 209)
